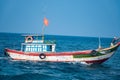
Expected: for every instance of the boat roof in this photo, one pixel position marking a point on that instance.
(33, 35)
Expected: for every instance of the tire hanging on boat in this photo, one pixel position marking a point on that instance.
(93, 52)
(42, 56)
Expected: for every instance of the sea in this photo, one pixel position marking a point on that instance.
(35, 70)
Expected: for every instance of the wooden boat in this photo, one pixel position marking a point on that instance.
(36, 49)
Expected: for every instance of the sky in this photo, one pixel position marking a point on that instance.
(93, 18)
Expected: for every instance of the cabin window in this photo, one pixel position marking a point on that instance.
(28, 48)
(38, 48)
(44, 48)
(49, 48)
(35, 48)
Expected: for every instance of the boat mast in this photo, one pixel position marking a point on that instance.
(45, 23)
(99, 43)
(42, 34)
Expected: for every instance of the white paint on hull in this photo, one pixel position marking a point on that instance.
(58, 58)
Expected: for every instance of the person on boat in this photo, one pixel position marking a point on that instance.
(114, 41)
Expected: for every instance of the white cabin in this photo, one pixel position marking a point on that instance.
(36, 44)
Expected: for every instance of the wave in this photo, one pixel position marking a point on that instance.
(4, 58)
(29, 76)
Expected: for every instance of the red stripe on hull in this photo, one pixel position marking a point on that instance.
(49, 54)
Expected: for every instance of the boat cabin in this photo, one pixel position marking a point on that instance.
(37, 44)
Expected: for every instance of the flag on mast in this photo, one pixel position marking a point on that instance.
(46, 21)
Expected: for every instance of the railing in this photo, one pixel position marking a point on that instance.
(49, 42)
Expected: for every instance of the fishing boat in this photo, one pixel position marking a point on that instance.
(35, 48)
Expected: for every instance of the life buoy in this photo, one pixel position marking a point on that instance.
(29, 39)
(42, 56)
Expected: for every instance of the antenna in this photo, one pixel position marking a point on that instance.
(99, 43)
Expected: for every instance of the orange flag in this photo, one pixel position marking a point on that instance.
(46, 22)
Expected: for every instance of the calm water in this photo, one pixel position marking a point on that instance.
(28, 70)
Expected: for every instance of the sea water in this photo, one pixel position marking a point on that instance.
(31, 70)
